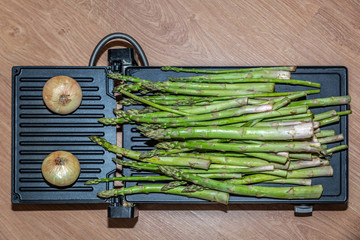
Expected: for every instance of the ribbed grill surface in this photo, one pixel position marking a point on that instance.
(37, 132)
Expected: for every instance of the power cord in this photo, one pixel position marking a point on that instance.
(113, 36)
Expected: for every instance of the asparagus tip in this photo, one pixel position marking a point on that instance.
(109, 193)
(92, 182)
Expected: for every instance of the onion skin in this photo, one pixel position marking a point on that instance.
(61, 168)
(62, 94)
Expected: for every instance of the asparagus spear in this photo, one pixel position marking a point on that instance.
(329, 101)
(264, 178)
(308, 116)
(301, 131)
(176, 69)
(164, 108)
(269, 157)
(159, 178)
(220, 171)
(256, 159)
(274, 124)
(240, 161)
(253, 178)
(210, 195)
(300, 156)
(220, 122)
(324, 115)
(306, 192)
(131, 178)
(232, 76)
(323, 171)
(330, 139)
(238, 102)
(202, 117)
(252, 87)
(329, 121)
(325, 133)
(299, 146)
(336, 149)
(250, 80)
(300, 164)
(161, 152)
(296, 181)
(162, 86)
(177, 161)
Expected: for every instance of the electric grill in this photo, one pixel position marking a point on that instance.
(36, 132)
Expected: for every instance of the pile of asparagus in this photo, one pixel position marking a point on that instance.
(226, 132)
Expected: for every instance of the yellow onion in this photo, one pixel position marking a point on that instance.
(62, 94)
(61, 168)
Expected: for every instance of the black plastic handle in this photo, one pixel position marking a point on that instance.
(113, 36)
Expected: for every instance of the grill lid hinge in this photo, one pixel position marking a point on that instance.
(119, 59)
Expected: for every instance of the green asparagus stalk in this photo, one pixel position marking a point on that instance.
(295, 181)
(234, 93)
(298, 146)
(233, 170)
(211, 92)
(319, 102)
(269, 157)
(193, 70)
(323, 171)
(239, 161)
(238, 102)
(258, 191)
(331, 139)
(193, 118)
(220, 175)
(165, 98)
(325, 133)
(324, 162)
(324, 115)
(137, 165)
(274, 124)
(164, 108)
(301, 131)
(300, 164)
(329, 121)
(295, 117)
(235, 76)
(210, 195)
(173, 184)
(252, 87)
(276, 172)
(253, 178)
(347, 112)
(161, 152)
(160, 178)
(226, 121)
(264, 178)
(336, 149)
(300, 156)
(250, 80)
(131, 178)
(175, 161)
(162, 86)
(223, 170)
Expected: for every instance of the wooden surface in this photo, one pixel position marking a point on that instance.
(215, 32)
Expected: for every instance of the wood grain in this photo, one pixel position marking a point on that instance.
(214, 32)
